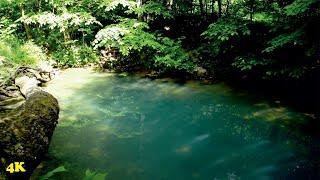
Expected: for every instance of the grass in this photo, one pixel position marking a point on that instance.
(14, 54)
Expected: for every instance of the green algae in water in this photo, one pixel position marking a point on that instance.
(136, 128)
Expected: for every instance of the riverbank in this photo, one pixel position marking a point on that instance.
(26, 126)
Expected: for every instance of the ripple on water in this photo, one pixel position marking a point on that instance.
(137, 128)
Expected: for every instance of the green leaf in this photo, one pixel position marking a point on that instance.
(299, 6)
(53, 172)
(90, 175)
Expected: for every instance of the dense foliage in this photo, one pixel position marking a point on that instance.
(261, 39)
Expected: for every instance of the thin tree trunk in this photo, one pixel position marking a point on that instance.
(251, 10)
(26, 26)
(66, 36)
(228, 5)
(212, 6)
(201, 7)
(219, 8)
(139, 4)
(206, 4)
(169, 4)
(39, 6)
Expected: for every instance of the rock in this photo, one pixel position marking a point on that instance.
(25, 132)
(1, 60)
(11, 103)
(11, 106)
(12, 88)
(45, 66)
(26, 84)
(200, 71)
(152, 75)
(3, 97)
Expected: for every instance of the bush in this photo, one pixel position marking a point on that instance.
(14, 54)
(131, 39)
(25, 54)
(75, 56)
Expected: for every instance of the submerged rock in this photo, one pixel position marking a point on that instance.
(25, 132)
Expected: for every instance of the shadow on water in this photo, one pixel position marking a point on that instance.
(136, 128)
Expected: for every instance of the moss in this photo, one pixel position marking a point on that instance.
(26, 131)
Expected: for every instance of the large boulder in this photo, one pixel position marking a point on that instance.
(25, 132)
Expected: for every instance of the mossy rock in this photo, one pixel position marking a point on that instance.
(25, 132)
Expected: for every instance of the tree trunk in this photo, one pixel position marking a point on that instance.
(212, 6)
(251, 10)
(39, 6)
(139, 4)
(201, 7)
(219, 8)
(66, 36)
(206, 4)
(26, 26)
(228, 5)
(169, 4)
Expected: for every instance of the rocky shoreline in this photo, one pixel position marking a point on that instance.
(28, 116)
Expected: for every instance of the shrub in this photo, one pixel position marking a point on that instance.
(21, 54)
(75, 56)
(131, 39)
(14, 54)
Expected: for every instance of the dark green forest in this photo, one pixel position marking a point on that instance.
(253, 38)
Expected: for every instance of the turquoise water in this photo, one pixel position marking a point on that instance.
(136, 128)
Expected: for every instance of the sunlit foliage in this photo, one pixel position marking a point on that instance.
(130, 36)
(250, 37)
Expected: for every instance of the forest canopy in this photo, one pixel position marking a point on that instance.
(264, 39)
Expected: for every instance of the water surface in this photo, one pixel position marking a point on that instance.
(136, 128)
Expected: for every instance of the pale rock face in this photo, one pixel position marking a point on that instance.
(1, 60)
(200, 71)
(45, 66)
(26, 84)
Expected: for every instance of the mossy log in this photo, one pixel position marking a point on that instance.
(25, 132)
